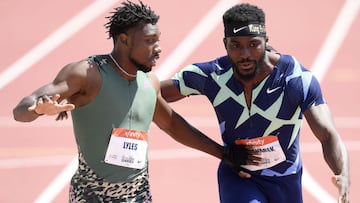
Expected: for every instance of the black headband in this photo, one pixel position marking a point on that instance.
(236, 29)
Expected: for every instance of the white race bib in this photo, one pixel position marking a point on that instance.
(127, 148)
(269, 150)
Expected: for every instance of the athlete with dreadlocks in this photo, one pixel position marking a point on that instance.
(113, 98)
(260, 98)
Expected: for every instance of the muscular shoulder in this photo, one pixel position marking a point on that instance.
(82, 79)
(78, 70)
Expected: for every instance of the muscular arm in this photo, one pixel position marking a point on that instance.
(180, 130)
(68, 82)
(194, 138)
(320, 121)
(169, 91)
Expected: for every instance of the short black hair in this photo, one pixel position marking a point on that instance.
(244, 14)
(129, 15)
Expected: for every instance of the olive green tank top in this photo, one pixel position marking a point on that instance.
(119, 104)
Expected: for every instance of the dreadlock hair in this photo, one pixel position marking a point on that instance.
(244, 14)
(129, 15)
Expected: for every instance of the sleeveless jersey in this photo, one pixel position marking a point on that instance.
(277, 105)
(119, 104)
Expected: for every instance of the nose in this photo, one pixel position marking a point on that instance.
(245, 55)
(245, 52)
(157, 48)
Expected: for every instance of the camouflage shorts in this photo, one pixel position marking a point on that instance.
(87, 187)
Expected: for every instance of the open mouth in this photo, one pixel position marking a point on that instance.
(246, 65)
(154, 59)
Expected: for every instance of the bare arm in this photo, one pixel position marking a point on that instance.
(335, 154)
(48, 98)
(169, 91)
(180, 130)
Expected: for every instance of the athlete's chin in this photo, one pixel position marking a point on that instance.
(245, 75)
(146, 69)
(247, 72)
(153, 63)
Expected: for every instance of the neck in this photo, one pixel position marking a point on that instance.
(270, 61)
(120, 68)
(263, 72)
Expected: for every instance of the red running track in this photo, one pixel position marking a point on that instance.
(33, 155)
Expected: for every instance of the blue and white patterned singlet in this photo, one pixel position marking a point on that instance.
(277, 106)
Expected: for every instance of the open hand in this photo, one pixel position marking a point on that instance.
(49, 105)
(342, 183)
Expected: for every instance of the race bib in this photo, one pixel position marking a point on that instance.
(127, 148)
(269, 150)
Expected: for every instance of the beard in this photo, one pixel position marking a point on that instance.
(248, 76)
(140, 67)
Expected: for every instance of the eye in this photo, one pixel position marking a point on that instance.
(234, 45)
(255, 44)
(150, 41)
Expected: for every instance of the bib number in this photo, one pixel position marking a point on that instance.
(127, 148)
(268, 148)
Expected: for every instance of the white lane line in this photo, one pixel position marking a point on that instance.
(57, 38)
(204, 121)
(326, 55)
(30, 162)
(335, 37)
(194, 39)
(51, 191)
(318, 192)
(156, 154)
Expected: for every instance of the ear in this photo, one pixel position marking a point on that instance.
(123, 38)
(224, 41)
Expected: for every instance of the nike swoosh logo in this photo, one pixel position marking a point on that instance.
(269, 91)
(239, 29)
(217, 65)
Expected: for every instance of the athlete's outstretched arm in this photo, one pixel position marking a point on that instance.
(53, 97)
(335, 154)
